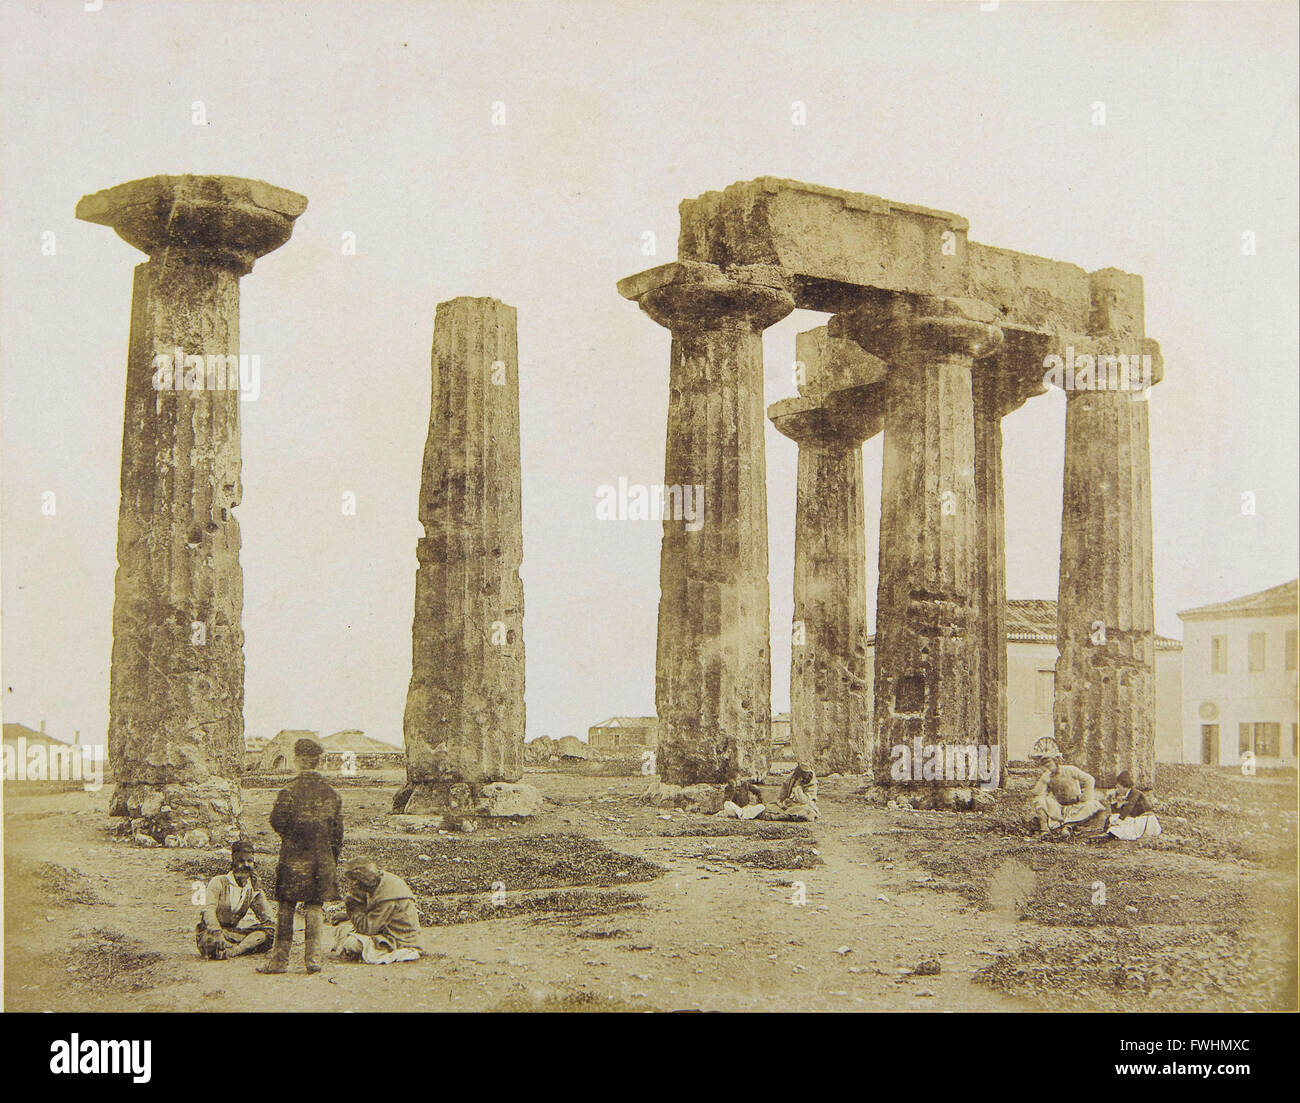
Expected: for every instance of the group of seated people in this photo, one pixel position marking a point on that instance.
(797, 801)
(1065, 801)
(379, 924)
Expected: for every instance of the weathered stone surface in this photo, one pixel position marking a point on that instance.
(836, 243)
(176, 682)
(990, 562)
(464, 722)
(511, 799)
(713, 669)
(1103, 712)
(702, 797)
(927, 670)
(830, 712)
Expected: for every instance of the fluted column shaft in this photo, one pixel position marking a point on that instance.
(927, 655)
(176, 685)
(830, 716)
(1103, 712)
(713, 668)
(464, 721)
(991, 562)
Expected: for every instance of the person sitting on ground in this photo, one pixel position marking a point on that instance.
(383, 925)
(308, 817)
(742, 799)
(1065, 797)
(798, 799)
(221, 931)
(1133, 814)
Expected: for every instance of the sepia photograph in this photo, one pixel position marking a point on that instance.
(736, 506)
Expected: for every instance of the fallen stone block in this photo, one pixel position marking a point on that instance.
(506, 798)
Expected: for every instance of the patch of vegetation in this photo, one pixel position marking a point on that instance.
(1131, 970)
(791, 855)
(108, 958)
(442, 865)
(574, 903)
(569, 1000)
(54, 884)
(713, 826)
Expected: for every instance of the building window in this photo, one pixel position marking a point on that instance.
(1044, 691)
(1292, 652)
(1268, 740)
(1264, 739)
(1256, 652)
(1218, 654)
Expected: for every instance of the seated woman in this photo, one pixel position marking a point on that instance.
(1133, 815)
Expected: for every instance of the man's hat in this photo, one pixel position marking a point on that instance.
(1047, 747)
(308, 748)
(242, 847)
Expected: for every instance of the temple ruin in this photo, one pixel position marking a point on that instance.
(464, 722)
(176, 689)
(932, 340)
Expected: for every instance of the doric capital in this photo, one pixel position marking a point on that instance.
(846, 417)
(906, 328)
(693, 295)
(225, 221)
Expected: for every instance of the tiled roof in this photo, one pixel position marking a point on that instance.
(1271, 602)
(626, 722)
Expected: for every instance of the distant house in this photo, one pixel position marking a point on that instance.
(366, 753)
(624, 733)
(277, 756)
(1031, 681)
(57, 758)
(1240, 669)
(349, 748)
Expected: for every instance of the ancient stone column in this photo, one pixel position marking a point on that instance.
(830, 710)
(464, 723)
(1002, 383)
(991, 559)
(1103, 713)
(713, 670)
(176, 686)
(927, 656)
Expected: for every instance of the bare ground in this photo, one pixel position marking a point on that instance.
(605, 904)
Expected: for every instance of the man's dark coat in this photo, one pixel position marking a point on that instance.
(308, 817)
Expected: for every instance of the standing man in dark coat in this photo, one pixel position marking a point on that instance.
(308, 817)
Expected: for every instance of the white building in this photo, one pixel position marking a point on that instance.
(1239, 677)
(1031, 681)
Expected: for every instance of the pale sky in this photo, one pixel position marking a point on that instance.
(381, 114)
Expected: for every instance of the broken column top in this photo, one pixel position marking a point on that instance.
(226, 220)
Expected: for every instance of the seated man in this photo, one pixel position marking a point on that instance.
(383, 926)
(1064, 797)
(1133, 815)
(221, 931)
